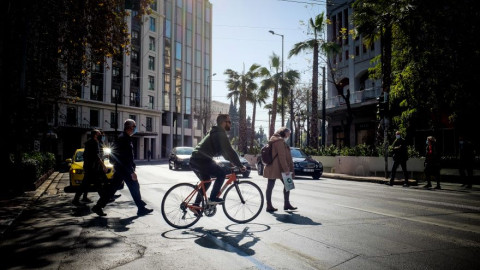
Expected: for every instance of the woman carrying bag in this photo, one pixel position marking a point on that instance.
(282, 163)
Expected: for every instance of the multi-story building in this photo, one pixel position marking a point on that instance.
(162, 83)
(351, 73)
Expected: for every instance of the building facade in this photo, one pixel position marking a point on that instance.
(351, 73)
(162, 83)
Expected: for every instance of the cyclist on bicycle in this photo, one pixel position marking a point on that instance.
(215, 143)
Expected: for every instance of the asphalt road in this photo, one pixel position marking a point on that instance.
(338, 225)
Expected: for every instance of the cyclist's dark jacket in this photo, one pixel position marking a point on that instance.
(215, 143)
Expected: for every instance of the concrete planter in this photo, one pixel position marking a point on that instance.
(364, 166)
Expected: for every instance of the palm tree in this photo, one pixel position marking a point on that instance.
(239, 85)
(271, 82)
(315, 44)
(287, 83)
(256, 96)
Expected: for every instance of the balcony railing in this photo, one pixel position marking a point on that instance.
(356, 97)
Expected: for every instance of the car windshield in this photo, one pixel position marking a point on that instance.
(184, 151)
(297, 153)
(79, 156)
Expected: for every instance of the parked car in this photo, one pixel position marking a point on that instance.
(226, 165)
(303, 164)
(76, 172)
(180, 158)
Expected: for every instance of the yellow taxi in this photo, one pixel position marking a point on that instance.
(76, 171)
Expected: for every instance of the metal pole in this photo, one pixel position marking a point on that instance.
(323, 109)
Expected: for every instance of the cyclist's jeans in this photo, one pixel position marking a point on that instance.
(204, 169)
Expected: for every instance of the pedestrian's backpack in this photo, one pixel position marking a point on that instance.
(266, 152)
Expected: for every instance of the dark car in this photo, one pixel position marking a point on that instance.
(226, 165)
(303, 164)
(180, 158)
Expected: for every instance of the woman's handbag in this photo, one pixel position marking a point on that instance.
(288, 181)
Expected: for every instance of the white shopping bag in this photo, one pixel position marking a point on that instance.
(288, 181)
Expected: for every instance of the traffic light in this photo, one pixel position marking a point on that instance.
(381, 107)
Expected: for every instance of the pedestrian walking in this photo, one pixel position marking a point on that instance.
(432, 163)
(400, 157)
(93, 167)
(466, 160)
(124, 166)
(282, 162)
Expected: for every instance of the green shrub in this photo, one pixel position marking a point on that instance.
(360, 150)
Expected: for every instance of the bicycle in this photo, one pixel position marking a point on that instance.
(243, 202)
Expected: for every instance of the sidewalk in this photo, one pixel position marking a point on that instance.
(11, 208)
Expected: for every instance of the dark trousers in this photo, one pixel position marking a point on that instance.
(268, 194)
(110, 190)
(205, 169)
(432, 170)
(402, 163)
(97, 178)
(466, 172)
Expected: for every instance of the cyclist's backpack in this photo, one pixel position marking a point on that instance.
(266, 152)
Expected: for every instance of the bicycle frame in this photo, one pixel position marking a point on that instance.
(231, 178)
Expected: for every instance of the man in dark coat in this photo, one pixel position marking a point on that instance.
(215, 143)
(124, 166)
(93, 167)
(400, 157)
(466, 161)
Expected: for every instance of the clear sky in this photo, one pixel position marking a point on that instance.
(240, 38)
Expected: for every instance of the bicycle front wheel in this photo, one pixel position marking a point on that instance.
(243, 202)
(174, 208)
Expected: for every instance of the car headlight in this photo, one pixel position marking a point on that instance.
(77, 171)
(107, 151)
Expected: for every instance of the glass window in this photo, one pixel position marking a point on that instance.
(152, 44)
(133, 117)
(178, 50)
(207, 14)
(151, 63)
(112, 120)
(188, 53)
(168, 28)
(153, 5)
(149, 126)
(179, 33)
(152, 25)
(135, 57)
(96, 92)
(179, 15)
(189, 37)
(150, 102)
(94, 118)
(115, 95)
(151, 83)
(168, 9)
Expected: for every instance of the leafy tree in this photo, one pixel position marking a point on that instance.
(315, 44)
(271, 81)
(47, 50)
(255, 96)
(242, 84)
(287, 83)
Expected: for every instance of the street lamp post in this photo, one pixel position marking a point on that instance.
(291, 92)
(207, 112)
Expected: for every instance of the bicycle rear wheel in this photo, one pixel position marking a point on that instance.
(174, 209)
(243, 202)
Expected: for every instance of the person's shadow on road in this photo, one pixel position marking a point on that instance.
(294, 218)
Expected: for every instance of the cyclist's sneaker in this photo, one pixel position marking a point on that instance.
(216, 201)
